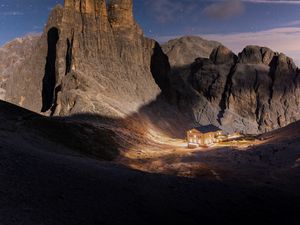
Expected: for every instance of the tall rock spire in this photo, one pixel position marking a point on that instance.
(100, 8)
(69, 3)
(85, 6)
(96, 57)
(121, 13)
(73, 4)
(89, 6)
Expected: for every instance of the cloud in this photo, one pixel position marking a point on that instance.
(37, 27)
(273, 1)
(292, 23)
(11, 13)
(167, 10)
(286, 40)
(224, 10)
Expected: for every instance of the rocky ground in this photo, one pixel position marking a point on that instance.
(261, 160)
(45, 181)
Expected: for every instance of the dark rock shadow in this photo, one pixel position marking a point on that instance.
(69, 53)
(49, 79)
(98, 136)
(160, 68)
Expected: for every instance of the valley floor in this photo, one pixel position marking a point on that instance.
(267, 162)
(173, 157)
(44, 181)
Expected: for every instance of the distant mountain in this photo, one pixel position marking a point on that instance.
(183, 51)
(254, 92)
(13, 55)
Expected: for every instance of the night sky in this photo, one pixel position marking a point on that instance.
(235, 23)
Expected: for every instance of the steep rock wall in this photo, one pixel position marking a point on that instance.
(254, 92)
(90, 58)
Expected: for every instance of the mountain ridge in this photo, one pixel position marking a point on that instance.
(94, 58)
(96, 129)
(215, 88)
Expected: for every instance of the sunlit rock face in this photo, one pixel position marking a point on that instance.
(120, 14)
(92, 57)
(254, 92)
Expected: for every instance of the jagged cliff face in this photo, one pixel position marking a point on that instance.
(90, 58)
(254, 92)
(13, 55)
(93, 58)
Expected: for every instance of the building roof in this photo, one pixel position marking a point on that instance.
(207, 129)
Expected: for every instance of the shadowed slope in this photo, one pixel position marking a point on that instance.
(62, 134)
(43, 182)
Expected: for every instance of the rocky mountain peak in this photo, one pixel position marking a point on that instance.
(184, 50)
(287, 61)
(90, 58)
(222, 55)
(95, 59)
(257, 91)
(121, 13)
(86, 6)
(118, 12)
(253, 54)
